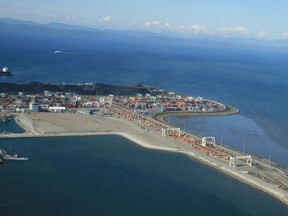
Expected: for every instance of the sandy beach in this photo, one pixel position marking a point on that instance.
(74, 124)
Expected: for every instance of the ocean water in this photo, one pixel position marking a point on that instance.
(109, 175)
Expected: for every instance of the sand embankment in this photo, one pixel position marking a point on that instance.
(70, 124)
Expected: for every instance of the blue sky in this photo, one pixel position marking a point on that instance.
(266, 19)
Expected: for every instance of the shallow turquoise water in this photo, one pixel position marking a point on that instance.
(109, 175)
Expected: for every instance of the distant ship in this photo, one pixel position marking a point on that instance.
(5, 72)
(58, 52)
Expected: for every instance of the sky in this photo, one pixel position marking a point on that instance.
(263, 19)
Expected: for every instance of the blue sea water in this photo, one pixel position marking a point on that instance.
(252, 78)
(109, 175)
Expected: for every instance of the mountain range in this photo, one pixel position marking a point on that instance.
(22, 26)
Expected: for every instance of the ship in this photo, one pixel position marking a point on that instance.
(5, 72)
(4, 156)
(58, 52)
(14, 157)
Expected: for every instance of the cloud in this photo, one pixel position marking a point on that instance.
(105, 18)
(167, 24)
(284, 36)
(152, 23)
(182, 27)
(236, 30)
(132, 23)
(159, 25)
(197, 28)
(261, 34)
(156, 22)
(147, 24)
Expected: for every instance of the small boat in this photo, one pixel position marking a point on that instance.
(5, 72)
(58, 52)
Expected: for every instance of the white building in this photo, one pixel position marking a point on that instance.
(57, 109)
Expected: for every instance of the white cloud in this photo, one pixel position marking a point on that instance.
(105, 18)
(182, 27)
(261, 34)
(236, 30)
(147, 24)
(191, 29)
(284, 36)
(167, 24)
(156, 22)
(197, 28)
(152, 23)
(132, 23)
